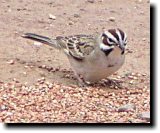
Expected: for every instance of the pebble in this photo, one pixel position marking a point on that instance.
(50, 86)
(43, 66)
(16, 80)
(136, 121)
(49, 68)
(126, 108)
(41, 80)
(67, 76)
(25, 73)
(70, 23)
(37, 44)
(130, 77)
(76, 15)
(52, 17)
(144, 116)
(119, 77)
(121, 120)
(112, 19)
(3, 107)
(131, 82)
(11, 62)
(143, 39)
(142, 12)
(112, 11)
(9, 113)
(31, 66)
(135, 78)
(138, 74)
(139, 1)
(26, 66)
(90, 1)
(128, 92)
(9, 10)
(135, 7)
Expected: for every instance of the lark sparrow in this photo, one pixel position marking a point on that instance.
(92, 57)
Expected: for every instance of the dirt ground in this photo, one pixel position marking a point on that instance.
(21, 60)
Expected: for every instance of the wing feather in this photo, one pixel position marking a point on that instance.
(77, 46)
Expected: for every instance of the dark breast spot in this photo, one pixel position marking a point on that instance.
(110, 65)
(107, 52)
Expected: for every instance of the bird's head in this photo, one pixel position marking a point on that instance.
(111, 39)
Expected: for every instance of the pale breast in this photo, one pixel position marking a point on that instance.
(98, 67)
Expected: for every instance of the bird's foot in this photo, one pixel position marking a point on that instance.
(113, 83)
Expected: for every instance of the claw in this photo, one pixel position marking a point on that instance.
(115, 83)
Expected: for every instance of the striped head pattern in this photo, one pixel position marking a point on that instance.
(113, 38)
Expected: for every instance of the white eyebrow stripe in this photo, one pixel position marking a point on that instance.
(125, 37)
(119, 35)
(111, 36)
(104, 47)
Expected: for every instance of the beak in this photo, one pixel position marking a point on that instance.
(122, 48)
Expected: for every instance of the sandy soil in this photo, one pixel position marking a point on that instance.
(21, 60)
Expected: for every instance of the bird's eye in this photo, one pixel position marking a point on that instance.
(110, 41)
(107, 41)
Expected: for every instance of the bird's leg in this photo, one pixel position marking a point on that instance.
(81, 81)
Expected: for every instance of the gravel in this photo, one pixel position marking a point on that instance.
(145, 116)
(112, 19)
(54, 102)
(52, 17)
(126, 108)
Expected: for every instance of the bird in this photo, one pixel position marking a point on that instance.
(91, 57)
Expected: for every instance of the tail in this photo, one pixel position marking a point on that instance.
(42, 39)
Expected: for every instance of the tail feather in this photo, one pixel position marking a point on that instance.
(42, 39)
